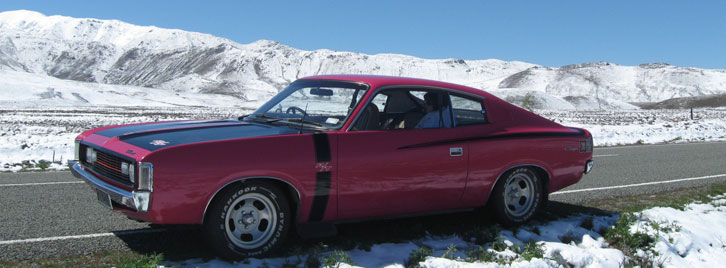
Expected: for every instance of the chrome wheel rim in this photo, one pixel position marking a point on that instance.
(250, 220)
(519, 194)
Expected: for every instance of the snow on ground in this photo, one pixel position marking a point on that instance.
(611, 128)
(31, 135)
(692, 237)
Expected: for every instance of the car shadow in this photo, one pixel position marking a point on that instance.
(176, 243)
(179, 243)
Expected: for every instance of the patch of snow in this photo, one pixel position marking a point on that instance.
(698, 239)
(611, 128)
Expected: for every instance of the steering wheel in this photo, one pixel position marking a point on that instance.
(295, 109)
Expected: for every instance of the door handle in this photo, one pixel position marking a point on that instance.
(456, 151)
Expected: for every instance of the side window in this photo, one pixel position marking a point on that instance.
(380, 101)
(468, 111)
(437, 109)
(372, 115)
(407, 108)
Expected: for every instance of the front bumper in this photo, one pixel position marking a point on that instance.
(136, 200)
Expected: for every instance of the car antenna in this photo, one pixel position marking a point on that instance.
(305, 113)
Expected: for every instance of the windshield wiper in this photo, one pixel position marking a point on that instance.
(296, 119)
(262, 118)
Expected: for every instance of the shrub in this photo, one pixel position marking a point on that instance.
(532, 250)
(499, 246)
(335, 258)
(449, 254)
(482, 235)
(418, 256)
(312, 259)
(481, 254)
(620, 237)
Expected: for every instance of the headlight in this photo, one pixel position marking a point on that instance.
(132, 178)
(90, 155)
(128, 169)
(125, 168)
(146, 177)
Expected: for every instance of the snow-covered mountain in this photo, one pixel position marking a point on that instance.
(116, 53)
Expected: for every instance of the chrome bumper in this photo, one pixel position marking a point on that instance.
(138, 200)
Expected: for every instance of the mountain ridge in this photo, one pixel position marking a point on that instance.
(118, 53)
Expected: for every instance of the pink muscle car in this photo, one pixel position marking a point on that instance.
(334, 148)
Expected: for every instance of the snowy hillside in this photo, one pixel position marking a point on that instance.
(29, 90)
(612, 82)
(113, 52)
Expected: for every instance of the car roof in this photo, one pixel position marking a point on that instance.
(376, 81)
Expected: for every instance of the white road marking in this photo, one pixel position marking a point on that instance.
(56, 238)
(143, 231)
(640, 184)
(604, 155)
(657, 144)
(40, 183)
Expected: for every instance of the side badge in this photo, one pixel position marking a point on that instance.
(323, 167)
(159, 142)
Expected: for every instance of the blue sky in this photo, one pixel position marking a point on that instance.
(551, 33)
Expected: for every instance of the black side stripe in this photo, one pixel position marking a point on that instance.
(322, 178)
(322, 192)
(322, 147)
(501, 136)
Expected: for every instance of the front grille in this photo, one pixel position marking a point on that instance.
(109, 166)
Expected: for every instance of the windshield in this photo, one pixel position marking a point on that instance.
(312, 103)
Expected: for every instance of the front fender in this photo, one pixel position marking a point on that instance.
(188, 177)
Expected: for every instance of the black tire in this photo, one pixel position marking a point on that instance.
(517, 196)
(247, 220)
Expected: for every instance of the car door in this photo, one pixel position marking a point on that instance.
(386, 172)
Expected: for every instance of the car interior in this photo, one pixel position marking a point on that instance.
(404, 108)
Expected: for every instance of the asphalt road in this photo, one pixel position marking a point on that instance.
(49, 214)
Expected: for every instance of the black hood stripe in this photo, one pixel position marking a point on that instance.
(157, 136)
(154, 132)
(130, 129)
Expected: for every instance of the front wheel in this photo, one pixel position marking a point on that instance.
(248, 220)
(517, 196)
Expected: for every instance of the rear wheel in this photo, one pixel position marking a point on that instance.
(248, 220)
(517, 196)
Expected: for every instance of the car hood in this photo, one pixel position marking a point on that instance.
(156, 136)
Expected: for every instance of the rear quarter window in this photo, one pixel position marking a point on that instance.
(468, 111)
